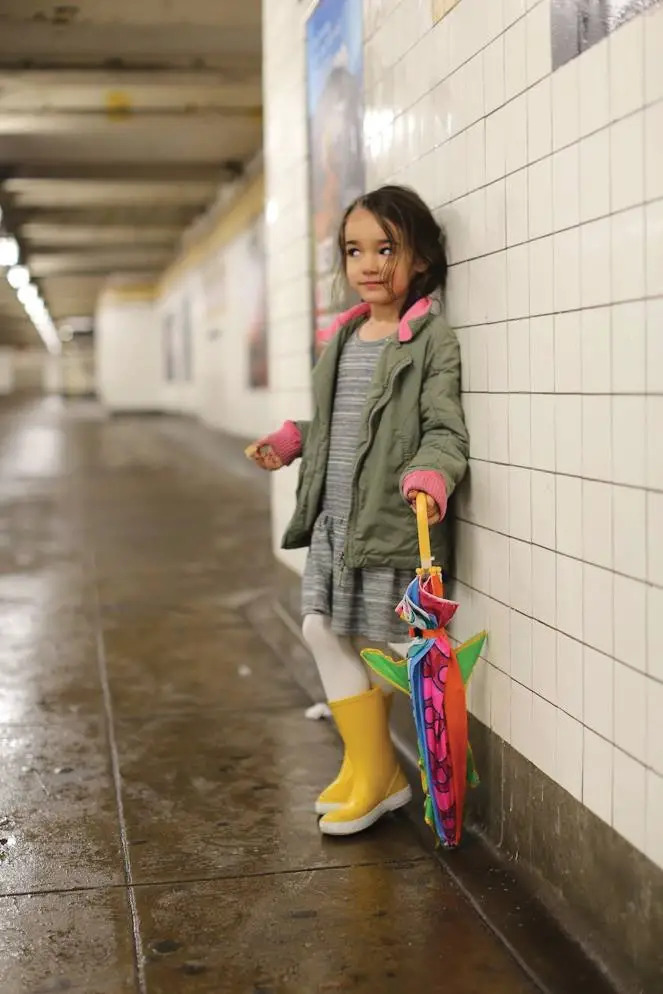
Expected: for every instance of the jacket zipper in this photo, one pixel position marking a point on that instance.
(379, 406)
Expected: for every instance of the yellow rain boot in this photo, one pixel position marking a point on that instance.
(338, 792)
(378, 783)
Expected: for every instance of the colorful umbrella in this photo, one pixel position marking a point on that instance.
(434, 675)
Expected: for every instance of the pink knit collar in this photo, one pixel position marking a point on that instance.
(405, 333)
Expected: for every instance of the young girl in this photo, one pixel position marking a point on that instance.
(387, 425)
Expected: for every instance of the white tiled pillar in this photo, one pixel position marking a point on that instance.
(287, 236)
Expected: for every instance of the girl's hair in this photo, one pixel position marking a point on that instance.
(407, 220)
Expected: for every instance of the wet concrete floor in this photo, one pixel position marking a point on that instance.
(157, 769)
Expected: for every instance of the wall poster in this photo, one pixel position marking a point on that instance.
(187, 341)
(441, 7)
(579, 24)
(177, 344)
(335, 100)
(168, 346)
(256, 293)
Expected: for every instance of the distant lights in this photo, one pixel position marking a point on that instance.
(9, 253)
(18, 277)
(26, 294)
(36, 309)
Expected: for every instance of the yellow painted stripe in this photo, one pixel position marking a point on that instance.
(126, 294)
(248, 205)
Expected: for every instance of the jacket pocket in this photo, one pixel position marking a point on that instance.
(408, 446)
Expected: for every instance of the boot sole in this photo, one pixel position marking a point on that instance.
(324, 807)
(392, 803)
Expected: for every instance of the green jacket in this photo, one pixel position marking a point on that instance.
(413, 420)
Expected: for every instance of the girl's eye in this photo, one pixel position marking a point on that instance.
(352, 253)
(387, 250)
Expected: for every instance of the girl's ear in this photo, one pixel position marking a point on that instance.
(419, 266)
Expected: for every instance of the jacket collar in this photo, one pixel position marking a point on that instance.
(405, 330)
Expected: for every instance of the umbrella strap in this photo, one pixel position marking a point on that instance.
(434, 574)
(434, 633)
(425, 554)
(424, 634)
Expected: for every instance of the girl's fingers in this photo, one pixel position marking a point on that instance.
(433, 510)
(269, 459)
(263, 456)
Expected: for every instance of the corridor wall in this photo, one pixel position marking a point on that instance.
(550, 186)
(191, 342)
(6, 371)
(128, 350)
(29, 370)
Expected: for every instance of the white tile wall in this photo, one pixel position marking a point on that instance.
(551, 189)
(287, 236)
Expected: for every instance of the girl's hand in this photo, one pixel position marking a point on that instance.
(264, 456)
(434, 516)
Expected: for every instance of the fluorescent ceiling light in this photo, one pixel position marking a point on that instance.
(27, 294)
(18, 276)
(37, 310)
(49, 337)
(9, 253)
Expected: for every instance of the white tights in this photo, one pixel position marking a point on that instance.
(342, 672)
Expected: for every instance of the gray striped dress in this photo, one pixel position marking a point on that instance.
(359, 602)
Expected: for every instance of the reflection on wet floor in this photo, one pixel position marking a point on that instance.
(157, 769)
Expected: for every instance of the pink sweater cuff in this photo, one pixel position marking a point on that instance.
(429, 482)
(286, 442)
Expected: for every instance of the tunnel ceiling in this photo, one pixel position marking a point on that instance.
(118, 121)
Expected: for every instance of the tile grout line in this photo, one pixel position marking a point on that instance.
(139, 964)
(557, 552)
(391, 864)
(130, 719)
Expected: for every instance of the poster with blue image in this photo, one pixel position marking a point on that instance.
(334, 63)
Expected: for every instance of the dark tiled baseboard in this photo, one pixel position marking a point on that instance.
(537, 864)
(605, 891)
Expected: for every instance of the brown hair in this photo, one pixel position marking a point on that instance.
(402, 213)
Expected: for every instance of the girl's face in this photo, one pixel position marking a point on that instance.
(377, 268)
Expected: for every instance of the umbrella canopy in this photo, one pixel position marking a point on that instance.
(438, 704)
(434, 675)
